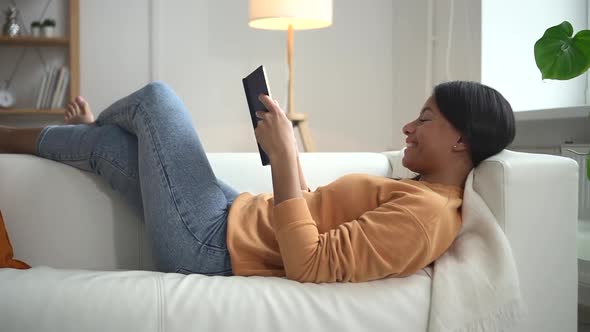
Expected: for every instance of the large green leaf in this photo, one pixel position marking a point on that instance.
(561, 57)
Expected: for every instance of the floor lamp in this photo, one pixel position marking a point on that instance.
(292, 15)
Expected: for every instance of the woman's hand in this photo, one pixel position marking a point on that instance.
(274, 131)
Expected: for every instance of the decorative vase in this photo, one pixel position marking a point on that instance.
(11, 27)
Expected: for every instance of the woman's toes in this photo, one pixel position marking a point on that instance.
(82, 104)
(76, 109)
(69, 112)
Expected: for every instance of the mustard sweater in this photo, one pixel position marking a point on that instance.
(357, 228)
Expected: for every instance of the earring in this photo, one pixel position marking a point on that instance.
(455, 146)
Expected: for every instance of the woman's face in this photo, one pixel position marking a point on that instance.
(430, 140)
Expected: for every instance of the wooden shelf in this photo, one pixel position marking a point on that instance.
(33, 41)
(31, 111)
(70, 42)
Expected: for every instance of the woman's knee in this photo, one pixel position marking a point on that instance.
(159, 97)
(159, 90)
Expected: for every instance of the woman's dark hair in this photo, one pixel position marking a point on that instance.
(481, 114)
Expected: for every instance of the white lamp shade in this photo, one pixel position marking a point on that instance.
(300, 14)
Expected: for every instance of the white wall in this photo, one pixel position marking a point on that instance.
(359, 80)
(114, 49)
(457, 51)
(409, 65)
(343, 74)
(509, 32)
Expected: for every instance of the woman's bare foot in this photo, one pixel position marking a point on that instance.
(78, 112)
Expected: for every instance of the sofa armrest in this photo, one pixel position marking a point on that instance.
(534, 197)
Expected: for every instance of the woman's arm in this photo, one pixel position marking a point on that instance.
(386, 241)
(274, 132)
(302, 182)
(285, 180)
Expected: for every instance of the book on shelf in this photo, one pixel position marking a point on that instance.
(64, 88)
(48, 87)
(41, 90)
(59, 88)
(53, 88)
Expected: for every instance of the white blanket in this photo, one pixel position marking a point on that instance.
(475, 282)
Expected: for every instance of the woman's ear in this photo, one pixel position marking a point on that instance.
(460, 145)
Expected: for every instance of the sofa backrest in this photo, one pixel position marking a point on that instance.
(63, 217)
(244, 171)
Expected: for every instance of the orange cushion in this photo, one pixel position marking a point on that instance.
(6, 254)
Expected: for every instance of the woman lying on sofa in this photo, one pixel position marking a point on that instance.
(357, 228)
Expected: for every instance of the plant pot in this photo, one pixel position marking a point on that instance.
(47, 31)
(36, 31)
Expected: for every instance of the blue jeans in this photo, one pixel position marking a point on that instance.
(145, 147)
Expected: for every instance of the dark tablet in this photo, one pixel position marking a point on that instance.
(254, 85)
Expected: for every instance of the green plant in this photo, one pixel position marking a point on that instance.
(562, 56)
(35, 24)
(49, 23)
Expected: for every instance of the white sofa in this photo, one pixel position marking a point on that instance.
(77, 234)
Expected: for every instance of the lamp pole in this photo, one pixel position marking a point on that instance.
(297, 119)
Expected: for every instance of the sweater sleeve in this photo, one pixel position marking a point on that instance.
(387, 241)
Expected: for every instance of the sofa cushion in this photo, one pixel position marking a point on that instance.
(6, 253)
(84, 300)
